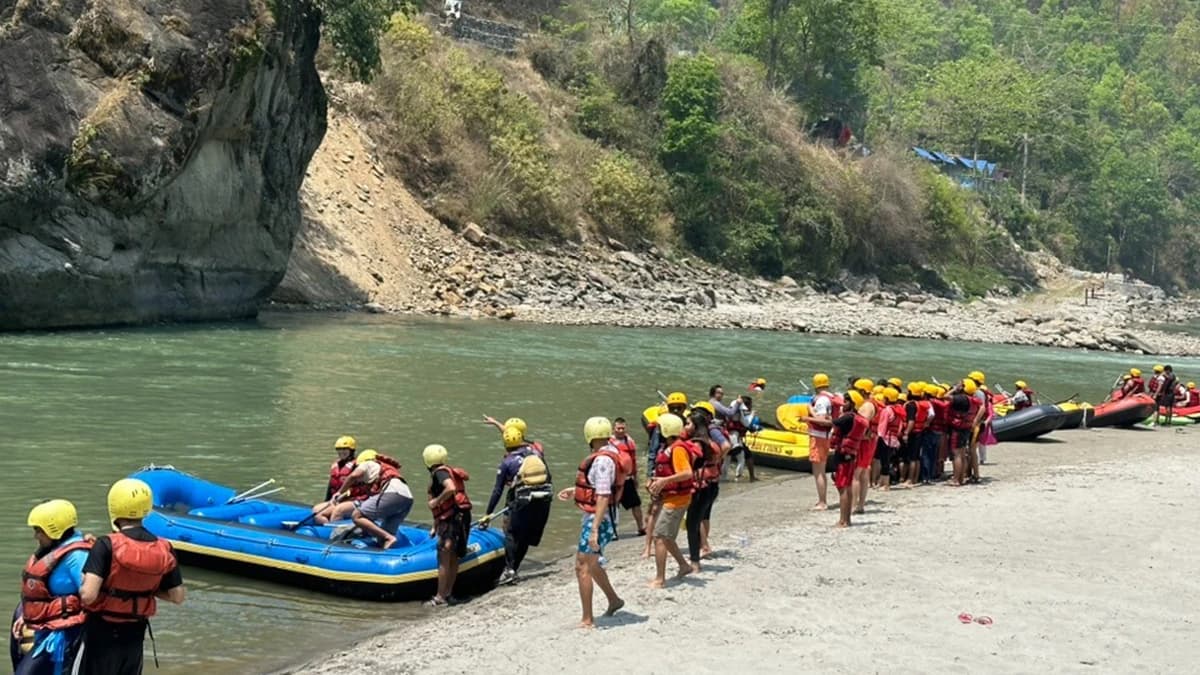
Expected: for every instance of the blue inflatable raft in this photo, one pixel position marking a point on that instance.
(253, 538)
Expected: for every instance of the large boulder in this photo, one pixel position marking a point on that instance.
(151, 155)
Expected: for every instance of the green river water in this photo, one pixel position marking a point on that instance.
(241, 403)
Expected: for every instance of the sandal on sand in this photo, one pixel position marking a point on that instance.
(965, 618)
(435, 601)
(983, 620)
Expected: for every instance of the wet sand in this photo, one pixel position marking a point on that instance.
(1080, 548)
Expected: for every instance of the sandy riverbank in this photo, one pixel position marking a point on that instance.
(1079, 548)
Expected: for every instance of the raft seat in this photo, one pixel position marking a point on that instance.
(230, 512)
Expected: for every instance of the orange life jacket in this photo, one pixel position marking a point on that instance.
(585, 492)
(41, 609)
(136, 570)
(664, 467)
(896, 424)
(461, 502)
(389, 468)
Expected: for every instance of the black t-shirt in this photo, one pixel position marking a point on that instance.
(99, 559)
(844, 423)
(1166, 391)
(910, 412)
(960, 403)
(437, 482)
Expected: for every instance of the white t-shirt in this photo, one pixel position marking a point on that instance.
(601, 476)
(373, 470)
(821, 406)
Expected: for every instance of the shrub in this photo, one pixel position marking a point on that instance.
(353, 28)
(626, 200)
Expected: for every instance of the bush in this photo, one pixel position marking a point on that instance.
(626, 200)
(353, 28)
(689, 110)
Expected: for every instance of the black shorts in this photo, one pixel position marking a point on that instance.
(882, 453)
(960, 439)
(629, 494)
(454, 532)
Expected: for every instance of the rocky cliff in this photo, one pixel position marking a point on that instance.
(151, 154)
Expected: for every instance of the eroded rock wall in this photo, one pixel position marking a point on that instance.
(151, 154)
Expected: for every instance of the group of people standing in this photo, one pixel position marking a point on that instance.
(1168, 390)
(86, 602)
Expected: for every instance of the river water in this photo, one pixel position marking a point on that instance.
(241, 403)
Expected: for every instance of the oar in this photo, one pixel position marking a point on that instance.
(492, 516)
(1069, 398)
(251, 491)
(307, 519)
(806, 389)
(661, 395)
(258, 495)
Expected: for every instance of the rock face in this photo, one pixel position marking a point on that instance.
(151, 155)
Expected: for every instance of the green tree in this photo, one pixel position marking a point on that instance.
(353, 28)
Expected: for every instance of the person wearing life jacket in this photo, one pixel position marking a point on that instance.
(125, 574)
(1164, 397)
(736, 428)
(451, 509)
(731, 418)
(388, 499)
(820, 426)
(524, 476)
(870, 408)
(676, 404)
(918, 416)
(758, 386)
(939, 428)
(673, 484)
(963, 411)
(702, 428)
(850, 430)
(342, 466)
(598, 482)
(1134, 385)
(982, 403)
(630, 499)
(1193, 399)
(1023, 397)
(888, 425)
(1156, 381)
(50, 610)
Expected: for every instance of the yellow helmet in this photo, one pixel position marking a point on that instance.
(932, 389)
(597, 427)
(863, 384)
(670, 426)
(513, 436)
(903, 397)
(1126, 377)
(129, 498)
(1191, 385)
(856, 398)
(891, 395)
(677, 398)
(896, 382)
(367, 455)
(1134, 372)
(1020, 384)
(917, 388)
(1158, 368)
(977, 375)
(345, 443)
(706, 407)
(762, 382)
(54, 517)
(877, 389)
(820, 380)
(969, 386)
(435, 455)
(518, 423)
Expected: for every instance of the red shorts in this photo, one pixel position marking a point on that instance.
(844, 475)
(866, 456)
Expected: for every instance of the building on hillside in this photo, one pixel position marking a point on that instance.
(973, 174)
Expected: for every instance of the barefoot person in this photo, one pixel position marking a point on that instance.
(630, 500)
(820, 425)
(673, 484)
(388, 499)
(866, 453)
(714, 444)
(597, 484)
(677, 404)
(1165, 396)
(849, 430)
(962, 420)
(451, 508)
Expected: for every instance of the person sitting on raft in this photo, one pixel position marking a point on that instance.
(388, 498)
(1023, 397)
(342, 466)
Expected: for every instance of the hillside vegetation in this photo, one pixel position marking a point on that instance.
(675, 122)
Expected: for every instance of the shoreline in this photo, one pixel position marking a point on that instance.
(1053, 586)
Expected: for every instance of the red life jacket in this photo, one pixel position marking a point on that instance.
(628, 450)
(41, 609)
(941, 415)
(664, 467)
(853, 440)
(1155, 383)
(1135, 385)
(461, 501)
(389, 469)
(137, 569)
(537, 447)
(1028, 402)
(1193, 397)
(963, 420)
(585, 492)
(924, 416)
(338, 472)
(899, 418)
